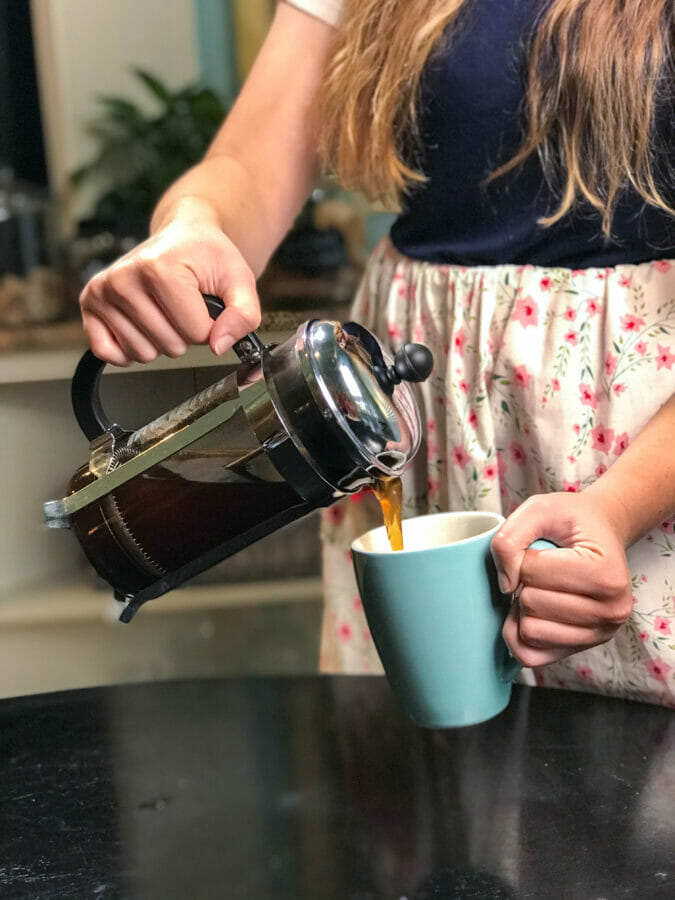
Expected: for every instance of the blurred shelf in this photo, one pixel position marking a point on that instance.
(58, 362)
(70, 600)
(51, 352)
(26, 366)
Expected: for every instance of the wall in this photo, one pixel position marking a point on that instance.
(85, 49)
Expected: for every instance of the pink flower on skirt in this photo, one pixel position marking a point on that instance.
(601, 469)
(522, 376)
(345, 632)
(335, 514)
(662, 625)
(395, 332)
(571, 487)
(518, 453)
(658, 669)
(490, 471)
(641, 348)
(661, 265)
(620, 444)
(572, 337)
(593, 307)
(668, 526)
(631, 323)
(584, 672)
(526, 311)
(459, 340)
(460, 457)
(610, 363)
(602, 438)
(618, 389)
(664, 358)
(588, 396)
(555, 384)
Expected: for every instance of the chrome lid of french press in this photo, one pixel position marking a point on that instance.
(350, 408)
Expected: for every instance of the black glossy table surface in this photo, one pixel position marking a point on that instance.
(319, 788)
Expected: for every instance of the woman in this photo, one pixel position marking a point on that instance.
(528, 145)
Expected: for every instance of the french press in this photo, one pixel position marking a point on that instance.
(294, 427)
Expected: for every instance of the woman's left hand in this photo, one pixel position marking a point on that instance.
(568, 599)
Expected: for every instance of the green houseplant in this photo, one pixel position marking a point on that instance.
(141, 154)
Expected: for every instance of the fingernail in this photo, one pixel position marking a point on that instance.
(223, 344)
(503, 583)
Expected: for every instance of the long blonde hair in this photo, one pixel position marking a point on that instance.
(596, 71)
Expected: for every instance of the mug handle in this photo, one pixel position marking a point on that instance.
(513, 666)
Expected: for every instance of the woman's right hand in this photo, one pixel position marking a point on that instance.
(251, 184)
(149, 302)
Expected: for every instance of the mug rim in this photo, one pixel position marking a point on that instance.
(498, 517)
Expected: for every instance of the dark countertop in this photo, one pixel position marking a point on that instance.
(319, 788)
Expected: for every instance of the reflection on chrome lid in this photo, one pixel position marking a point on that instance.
(382, 427)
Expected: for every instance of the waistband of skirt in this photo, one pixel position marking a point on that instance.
(385, 250)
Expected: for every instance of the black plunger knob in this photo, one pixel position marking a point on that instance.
(413, 362)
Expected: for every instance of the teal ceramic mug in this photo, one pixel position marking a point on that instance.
(436, 614)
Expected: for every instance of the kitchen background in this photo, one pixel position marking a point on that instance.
(103, 105)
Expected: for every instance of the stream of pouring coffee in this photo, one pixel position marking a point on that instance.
(389, 492)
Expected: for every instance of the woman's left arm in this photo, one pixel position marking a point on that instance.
(577, 596)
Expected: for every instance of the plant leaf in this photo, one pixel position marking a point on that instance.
(155, 86)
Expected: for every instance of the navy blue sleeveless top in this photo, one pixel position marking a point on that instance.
(471, 121)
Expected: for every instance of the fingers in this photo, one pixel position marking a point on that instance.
(134, 319)
(562, 607)
(103, 342)
(150, 301)
(510, 543)
(241, 315)
(570, 598)
(578, 585)
(176, 312)
(538, 642)
(578, 569)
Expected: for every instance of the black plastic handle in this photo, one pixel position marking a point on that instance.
(84, 387)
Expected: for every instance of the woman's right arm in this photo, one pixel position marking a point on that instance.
(216, 227)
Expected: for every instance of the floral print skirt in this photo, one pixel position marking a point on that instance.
(542, 378)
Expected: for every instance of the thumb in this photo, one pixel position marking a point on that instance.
(241, 314)
(528, 523)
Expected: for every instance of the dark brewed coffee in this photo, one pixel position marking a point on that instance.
(389, 492)
(163, 519)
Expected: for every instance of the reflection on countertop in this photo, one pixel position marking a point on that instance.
(306, 788)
